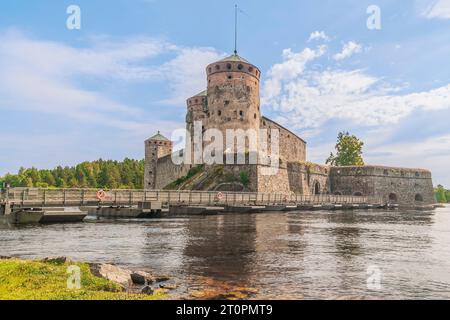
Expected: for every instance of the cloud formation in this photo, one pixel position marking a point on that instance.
(304, 98)
(349, 49)
(438, 9)
(318, 35)
(44, 76)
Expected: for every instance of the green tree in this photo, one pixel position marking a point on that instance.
(109, 174)
(348, 151)
(441, 194)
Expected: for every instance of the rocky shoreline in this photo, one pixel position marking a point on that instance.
(133, 281)
(130, 281)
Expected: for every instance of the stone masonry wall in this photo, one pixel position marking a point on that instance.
(291, 147)
(295, 177)
(168, 172)
(396, 185)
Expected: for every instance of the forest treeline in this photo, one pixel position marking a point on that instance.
(110, 174)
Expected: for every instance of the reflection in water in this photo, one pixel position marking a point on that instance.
(271, 255)
(219, 253)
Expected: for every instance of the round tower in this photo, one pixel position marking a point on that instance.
(197, 108)
(233, 95)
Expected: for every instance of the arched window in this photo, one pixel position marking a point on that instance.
(217, 67)
(393, 198)
(240, 66)
(316, 187)
(419, 198)
(229, 66)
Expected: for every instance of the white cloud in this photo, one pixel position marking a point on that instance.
(349, 49)
(439, 9)
(318, 35)
(292, 66)
(186, 74)
(306, 99)
(44, 76)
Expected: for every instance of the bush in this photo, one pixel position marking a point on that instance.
(244, 177)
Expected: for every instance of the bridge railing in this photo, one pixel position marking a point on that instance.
(88, 197)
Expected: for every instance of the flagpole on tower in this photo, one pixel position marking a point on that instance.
(235, 27)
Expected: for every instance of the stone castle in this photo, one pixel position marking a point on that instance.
(232, 101)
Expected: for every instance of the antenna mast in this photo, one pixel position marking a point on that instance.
(235, 27)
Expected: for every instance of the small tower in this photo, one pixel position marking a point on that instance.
(156, 147)
(197, 109)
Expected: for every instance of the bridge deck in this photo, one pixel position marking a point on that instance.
(33, 197)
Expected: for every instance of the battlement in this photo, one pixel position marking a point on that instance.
(233, 63)
(198, 100)
(381, 171)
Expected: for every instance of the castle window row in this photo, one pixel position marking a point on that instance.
(229, 67)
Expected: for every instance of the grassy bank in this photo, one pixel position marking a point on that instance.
(37, 280)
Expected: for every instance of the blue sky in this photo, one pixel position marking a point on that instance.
(72, 95)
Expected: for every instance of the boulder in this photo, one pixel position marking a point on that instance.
(168, 286)
(162, 278)
(141, 277)
(147, 290)
(112, 273)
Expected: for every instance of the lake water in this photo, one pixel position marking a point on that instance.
(295, 255)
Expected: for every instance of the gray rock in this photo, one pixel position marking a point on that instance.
(141, 277)
(162, 278)
(113, 273)
(147, 290)
(168, 286)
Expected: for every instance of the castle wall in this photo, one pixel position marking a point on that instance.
(396, 185)
(317, 179)
(291, 147)
(295, 177)
(277, 183)
(169, 172)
